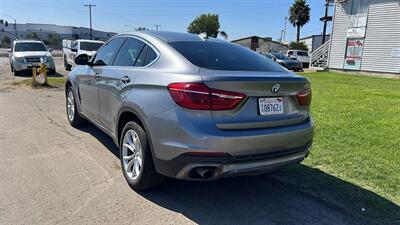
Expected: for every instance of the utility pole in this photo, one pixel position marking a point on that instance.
(280, 39)
(157, 26)
(90, 17)
(326, 19)
(284, 30)
(15, 24)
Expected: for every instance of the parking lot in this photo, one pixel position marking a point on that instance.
(52, 173)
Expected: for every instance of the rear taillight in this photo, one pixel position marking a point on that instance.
(199, 96)
(304, 97)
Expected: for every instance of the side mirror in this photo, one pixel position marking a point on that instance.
(74, 50)
(51, 49)
(82, 60)
(9, 50)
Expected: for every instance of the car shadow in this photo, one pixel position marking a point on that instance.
(296, 194)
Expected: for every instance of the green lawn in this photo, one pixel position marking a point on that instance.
(357, 135)
(51, 81)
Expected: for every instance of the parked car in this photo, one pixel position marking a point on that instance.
(26, 54)
(301, 56)
(284, 61)
(191, 108)
(71, 49)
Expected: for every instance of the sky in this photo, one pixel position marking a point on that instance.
(238, 18)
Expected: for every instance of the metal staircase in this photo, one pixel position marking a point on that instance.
(319, 57)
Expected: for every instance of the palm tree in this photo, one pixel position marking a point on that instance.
(299, 15)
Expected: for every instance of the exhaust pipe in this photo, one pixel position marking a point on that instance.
(204, 173)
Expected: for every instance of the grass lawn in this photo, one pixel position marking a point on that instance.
(52, 82)
(357, 136)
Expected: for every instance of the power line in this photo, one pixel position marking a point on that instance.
(90, 16)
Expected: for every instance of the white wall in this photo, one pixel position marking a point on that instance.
(382, 36)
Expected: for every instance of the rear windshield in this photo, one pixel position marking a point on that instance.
(224, 56)
(29, 47)
(302, 53)
(90, 46)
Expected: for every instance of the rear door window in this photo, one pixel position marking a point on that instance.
(147, 56)
(129, 52)
(151, 55)
(141, 58)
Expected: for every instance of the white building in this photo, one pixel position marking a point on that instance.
(366, 36)
(43, 31)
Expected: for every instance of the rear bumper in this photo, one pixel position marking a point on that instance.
(184, 166)
(175, 136)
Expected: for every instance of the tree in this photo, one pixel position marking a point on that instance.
(54, 39)
(6, 41)
(299, 15)
(299, 46)
(32, 35)
(206, 23)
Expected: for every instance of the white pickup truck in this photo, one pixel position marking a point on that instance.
(71, 49)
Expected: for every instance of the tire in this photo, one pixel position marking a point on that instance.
(148, 176)
(73, 116)
(66, 65)
(52, 72)
(16, 73)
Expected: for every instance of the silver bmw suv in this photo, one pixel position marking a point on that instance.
(189, 107)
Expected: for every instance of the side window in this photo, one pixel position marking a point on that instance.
(150, 56)
(290, 53)
(129, 52)
(147, 56)
(141, 58)
(106, 53)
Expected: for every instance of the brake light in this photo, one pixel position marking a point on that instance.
(304, 97)
(199, 96)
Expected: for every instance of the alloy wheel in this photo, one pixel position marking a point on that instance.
(70, 106)
(132, 154)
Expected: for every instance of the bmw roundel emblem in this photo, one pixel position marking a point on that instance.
(275, 89)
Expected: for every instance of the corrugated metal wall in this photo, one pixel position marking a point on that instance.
(382, 36)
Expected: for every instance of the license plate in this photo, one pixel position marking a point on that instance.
(270, 106)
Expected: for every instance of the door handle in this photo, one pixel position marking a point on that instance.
(125, 79)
